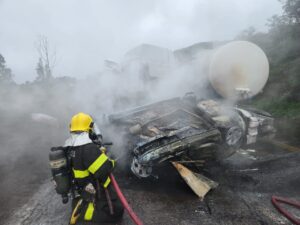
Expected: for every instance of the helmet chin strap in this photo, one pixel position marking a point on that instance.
(91, 126)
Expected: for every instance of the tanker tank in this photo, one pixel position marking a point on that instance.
(235, 70)
(238, 70)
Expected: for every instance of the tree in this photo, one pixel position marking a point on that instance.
(40, 70)
(47, 59)
(292, 10)
(6, 75)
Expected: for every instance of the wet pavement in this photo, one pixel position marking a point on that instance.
(247, 180)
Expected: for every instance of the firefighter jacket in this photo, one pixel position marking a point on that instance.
(89, 163)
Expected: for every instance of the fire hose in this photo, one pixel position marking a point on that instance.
(124, 202)
(276, 200)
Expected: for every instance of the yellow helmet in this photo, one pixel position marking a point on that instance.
(81, 122)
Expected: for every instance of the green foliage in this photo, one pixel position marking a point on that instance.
(280, 108)
(292, 10)
(281, 43)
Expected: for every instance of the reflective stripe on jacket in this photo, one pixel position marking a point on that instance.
(89, 162)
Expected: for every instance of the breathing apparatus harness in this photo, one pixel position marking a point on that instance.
(61, 168)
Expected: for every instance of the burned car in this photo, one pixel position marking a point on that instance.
(188, 128)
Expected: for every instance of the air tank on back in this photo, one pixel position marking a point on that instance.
(60, 172)
(238, 70)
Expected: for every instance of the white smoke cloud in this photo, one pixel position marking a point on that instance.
(86, 33)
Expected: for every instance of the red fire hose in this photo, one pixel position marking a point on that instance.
(131, 213)
(276, 200)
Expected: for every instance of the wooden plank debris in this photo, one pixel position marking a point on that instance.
(200, 184)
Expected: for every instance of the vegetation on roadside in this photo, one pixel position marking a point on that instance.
(281, 43)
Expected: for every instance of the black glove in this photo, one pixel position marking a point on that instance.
(89, 193)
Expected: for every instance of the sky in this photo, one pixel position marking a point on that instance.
(85, 33)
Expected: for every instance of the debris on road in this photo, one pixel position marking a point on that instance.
(197, 182)
(187, 129)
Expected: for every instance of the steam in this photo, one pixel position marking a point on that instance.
(29, 110)
(36, 115)
(145, 74)
(138, 81)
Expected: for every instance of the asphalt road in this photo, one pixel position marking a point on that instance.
(247, 180)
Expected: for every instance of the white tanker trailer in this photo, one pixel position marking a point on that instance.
(239, 69)
(235, 70)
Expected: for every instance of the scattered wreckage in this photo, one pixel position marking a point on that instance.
(198, 130)
(188, 129)
(191, 130)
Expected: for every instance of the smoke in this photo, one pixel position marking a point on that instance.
(86, 33)
(25, 142)
(130, 83)
(146, 74)
(137, 78)
(35, 116)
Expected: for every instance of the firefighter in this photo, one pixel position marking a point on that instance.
(97, 201)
